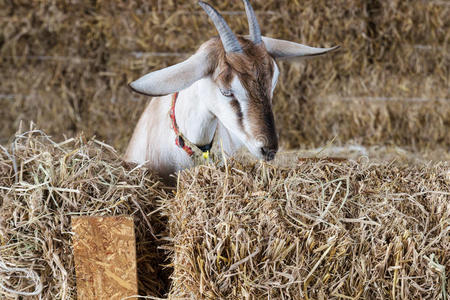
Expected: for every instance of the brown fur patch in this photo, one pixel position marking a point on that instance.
(237, 109)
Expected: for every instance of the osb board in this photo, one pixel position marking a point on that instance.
(105, 257)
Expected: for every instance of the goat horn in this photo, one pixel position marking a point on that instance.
(255, 32)
(229, 40)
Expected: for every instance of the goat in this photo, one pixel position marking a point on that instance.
(224, 92)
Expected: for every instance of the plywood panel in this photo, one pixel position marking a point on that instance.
(105, 257)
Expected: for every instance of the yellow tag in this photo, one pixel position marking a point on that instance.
(206, 155)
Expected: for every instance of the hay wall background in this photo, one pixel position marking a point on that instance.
(65, 65)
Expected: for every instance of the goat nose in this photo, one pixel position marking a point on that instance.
(268, 152)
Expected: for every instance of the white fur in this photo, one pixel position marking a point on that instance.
(153, 140)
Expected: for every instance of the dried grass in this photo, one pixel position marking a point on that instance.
(42, 185)
(297, 229)
(415, 125)
(320, 229)
(69, 62)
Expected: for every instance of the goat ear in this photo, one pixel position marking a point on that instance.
(174, 78)
(280, 49)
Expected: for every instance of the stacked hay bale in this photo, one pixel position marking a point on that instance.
(42, 185)
(316, 229)
(324, 229)
(71, 62)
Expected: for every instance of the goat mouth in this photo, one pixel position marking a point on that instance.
(260, 151)
(263, 153)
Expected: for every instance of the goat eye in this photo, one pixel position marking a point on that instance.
(226, 93)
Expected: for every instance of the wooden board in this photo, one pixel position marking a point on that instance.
(105, 257)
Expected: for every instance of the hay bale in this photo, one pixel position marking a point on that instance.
(416, 125)
(43, 184)
(375, 154)
(322, 229)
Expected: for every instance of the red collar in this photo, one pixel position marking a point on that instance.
(179, 141)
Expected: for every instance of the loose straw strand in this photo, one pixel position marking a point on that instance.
(29, 274)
